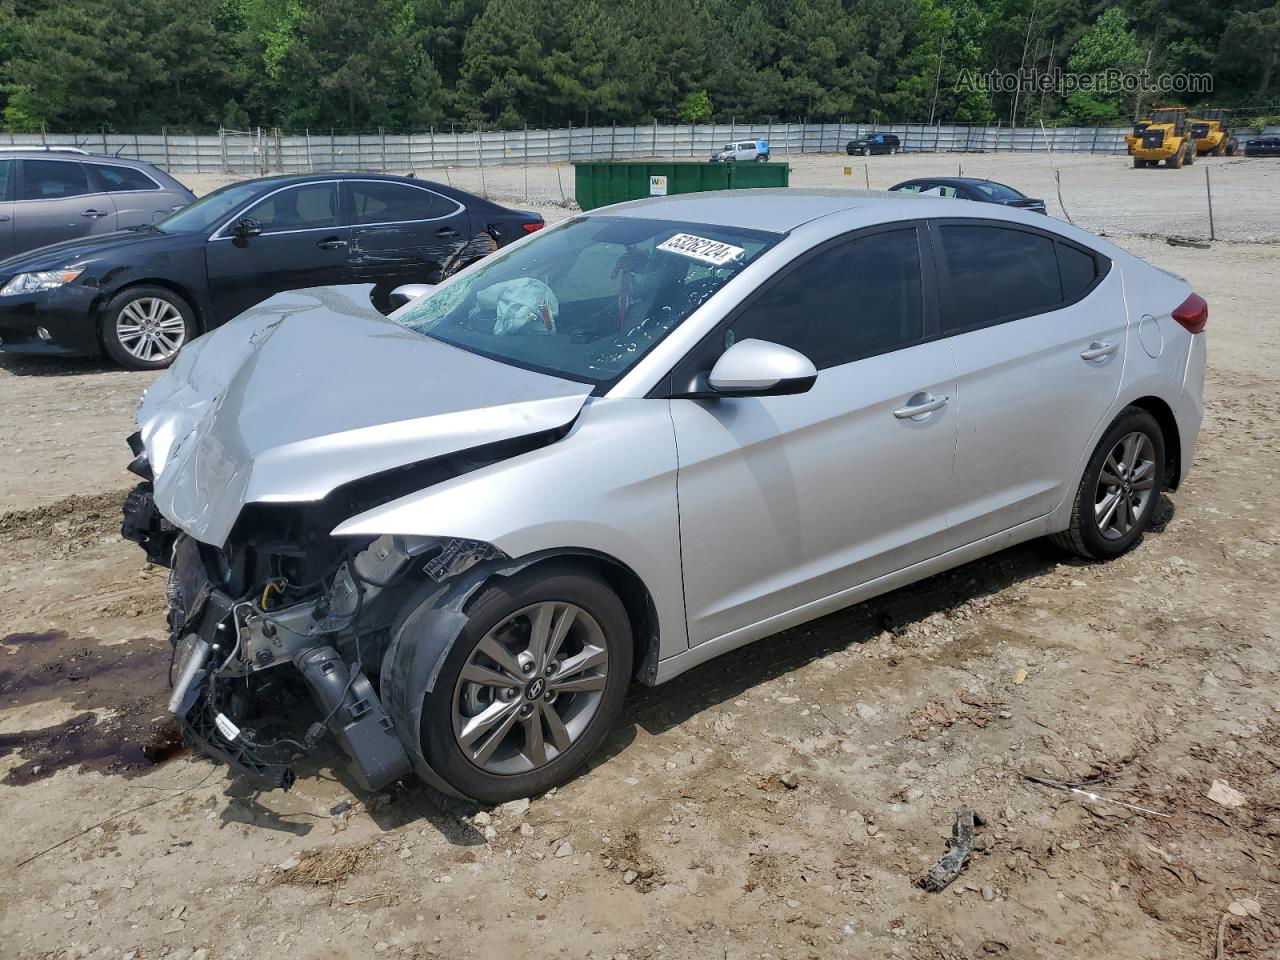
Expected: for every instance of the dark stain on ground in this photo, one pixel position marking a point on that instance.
(121, 689)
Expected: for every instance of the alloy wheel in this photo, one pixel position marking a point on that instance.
(151, 329)
(1126, 484)
(530, 688)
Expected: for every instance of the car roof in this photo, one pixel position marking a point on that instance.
(773, 209)
(955, 181)
(69, 155)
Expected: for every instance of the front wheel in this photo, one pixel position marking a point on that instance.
(893, 151)
(143, 328)
(866, 151)
(762, 158)
(532, 686)
(1119, 490)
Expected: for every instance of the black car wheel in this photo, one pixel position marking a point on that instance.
(1119, 490)
(143, 328)
(531, 687)
(866, 151)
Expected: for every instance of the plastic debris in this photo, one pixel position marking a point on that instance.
(1225, 795)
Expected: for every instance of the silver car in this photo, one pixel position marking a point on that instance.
(47, 196)
(630, 443)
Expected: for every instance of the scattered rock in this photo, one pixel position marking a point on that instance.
(630, 877)
(526, 830)
(516, 808)
(790, 780)
(540, 894)
(866, 712)
(482, 819)
(988, 893)
(1224, 795)
(564, 850)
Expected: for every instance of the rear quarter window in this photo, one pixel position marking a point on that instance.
(116, 179)
(1079, 270)
(996, 274)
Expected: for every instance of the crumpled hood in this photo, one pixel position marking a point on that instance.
(314, 389)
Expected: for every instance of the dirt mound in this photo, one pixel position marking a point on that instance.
(74, 522)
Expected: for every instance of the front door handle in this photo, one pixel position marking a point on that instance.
(3, 218)
(94, 214)
(920, 405)
(1098, 349)
(331, 243)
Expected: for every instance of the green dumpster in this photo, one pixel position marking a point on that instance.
(600, 184)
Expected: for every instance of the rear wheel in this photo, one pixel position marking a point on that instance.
(1118, 492)
(532, 686)
(143, 328)
(1174, 162)
(893, 151)
(1139, 163)
(866, 151)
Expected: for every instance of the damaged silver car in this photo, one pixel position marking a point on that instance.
(623, 446)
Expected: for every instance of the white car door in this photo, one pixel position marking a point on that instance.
(787, 500)
(1037, 326)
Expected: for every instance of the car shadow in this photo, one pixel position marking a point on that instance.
(26, 365)
(726, 677)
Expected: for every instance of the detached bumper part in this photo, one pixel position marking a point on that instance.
(144, 525)
(356, 718)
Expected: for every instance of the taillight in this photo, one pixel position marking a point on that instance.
(532, 227)
(1193, 313)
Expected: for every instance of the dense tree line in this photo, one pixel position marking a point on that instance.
(133, 65)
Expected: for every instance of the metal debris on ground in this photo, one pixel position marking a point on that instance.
(936, 878)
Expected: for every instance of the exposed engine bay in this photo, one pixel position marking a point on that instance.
(241, 617)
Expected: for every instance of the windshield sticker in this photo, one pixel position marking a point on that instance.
(700, 248)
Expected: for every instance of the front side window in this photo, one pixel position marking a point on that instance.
(6, 177)
(52, 179)
(377, 201)
(306, 207)
(588, 299)
(855, 299)
(122, 179)
(995, 274)
(210, 210)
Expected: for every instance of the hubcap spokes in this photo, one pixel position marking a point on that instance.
(530, 688)
(1125, 485)
(151, 329)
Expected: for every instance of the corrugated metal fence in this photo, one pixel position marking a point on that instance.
(266, 151)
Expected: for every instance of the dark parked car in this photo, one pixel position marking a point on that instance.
(140, 294)
(874, 143)
(1262, 147)
(969, 188)
(55, 194)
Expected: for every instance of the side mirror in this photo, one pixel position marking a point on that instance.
(757, 368)
(245, 228)
(407, 293)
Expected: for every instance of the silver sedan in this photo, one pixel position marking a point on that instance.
(630, 443)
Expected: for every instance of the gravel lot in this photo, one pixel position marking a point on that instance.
(777, 802)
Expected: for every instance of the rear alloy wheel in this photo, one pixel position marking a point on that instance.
(1119, 490)
(531, 687)
(143, 328)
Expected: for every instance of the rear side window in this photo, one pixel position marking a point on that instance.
(995, 274)
(6, 178)
(1079, 270)
(121, 179)
(51, 179)
(855, 299)
(385, 202)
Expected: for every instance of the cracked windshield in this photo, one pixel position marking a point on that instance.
(589, 299)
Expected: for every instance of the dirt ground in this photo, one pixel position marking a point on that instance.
(777, 802)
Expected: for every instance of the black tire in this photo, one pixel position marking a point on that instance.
(762, 158)
(1139, 163)
(110, 320)
(866, 151)
(1083, 536)
(490, 608)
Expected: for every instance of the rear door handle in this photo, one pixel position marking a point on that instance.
(94, 214)
(1098, 349)
(3, 218)
(447, 232)
(920, 405)
(331, 243)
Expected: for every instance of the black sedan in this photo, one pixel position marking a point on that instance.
(139, 294)
(1262, 147)
(970, 188)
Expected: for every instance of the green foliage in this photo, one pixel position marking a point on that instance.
(695, 108)
(80, 65)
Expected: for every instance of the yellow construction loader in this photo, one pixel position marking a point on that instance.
(1134, 136)
(1213, 135)
(1166, 138)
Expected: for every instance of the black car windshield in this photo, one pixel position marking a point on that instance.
(211, 209)
(998, 191)
(588, 299)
